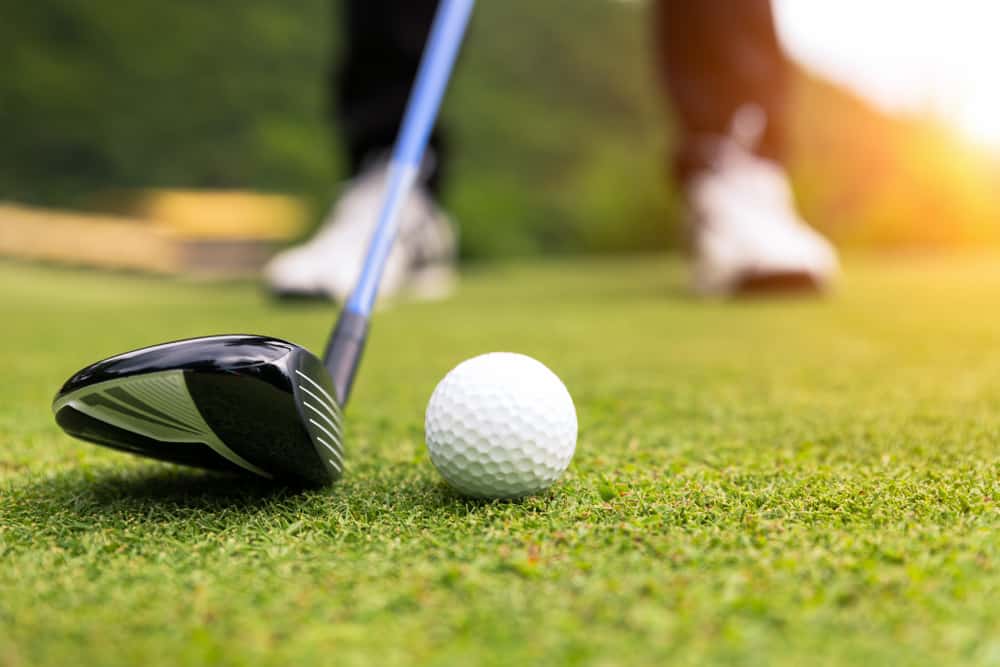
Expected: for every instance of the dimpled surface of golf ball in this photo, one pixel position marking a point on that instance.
(501, 425)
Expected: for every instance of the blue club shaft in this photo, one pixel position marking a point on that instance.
(421, 112)
(343, 351)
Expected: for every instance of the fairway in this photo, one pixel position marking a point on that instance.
(778, 482)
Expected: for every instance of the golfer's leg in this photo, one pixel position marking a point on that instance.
(715, 57)
(383, 41)
(727, 78)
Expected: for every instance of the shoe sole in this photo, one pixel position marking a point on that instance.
(777, 283)
(295, 296)
(429, 283)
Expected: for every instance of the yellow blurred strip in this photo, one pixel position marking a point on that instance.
(225, 214)
(91, 240)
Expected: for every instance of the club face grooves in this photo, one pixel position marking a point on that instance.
(235, 403)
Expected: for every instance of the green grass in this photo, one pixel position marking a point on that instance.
(773, 482)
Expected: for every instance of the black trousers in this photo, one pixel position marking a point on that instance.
(714, 56)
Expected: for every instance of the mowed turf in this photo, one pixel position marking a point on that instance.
(779, 482)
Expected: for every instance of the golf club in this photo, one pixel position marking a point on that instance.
(257, 404)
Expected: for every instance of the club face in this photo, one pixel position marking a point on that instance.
(248, 404)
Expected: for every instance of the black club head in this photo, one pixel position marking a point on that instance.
(247, 404)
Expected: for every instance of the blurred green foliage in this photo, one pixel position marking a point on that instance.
(560, 135)
(105, 94)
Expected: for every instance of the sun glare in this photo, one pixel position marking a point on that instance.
(906, 54)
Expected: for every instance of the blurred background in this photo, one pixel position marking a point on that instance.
(123, 112)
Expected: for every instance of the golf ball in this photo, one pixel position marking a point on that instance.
(501, 425)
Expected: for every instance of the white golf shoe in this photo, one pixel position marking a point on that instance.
(747, 236)
(421, 264)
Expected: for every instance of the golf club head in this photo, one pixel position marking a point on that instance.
(247, 404)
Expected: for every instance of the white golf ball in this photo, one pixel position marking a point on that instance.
(501, 425)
